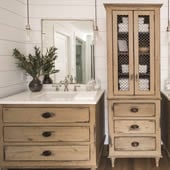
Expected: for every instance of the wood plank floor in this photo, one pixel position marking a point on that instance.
(136, 163)
(131, 164)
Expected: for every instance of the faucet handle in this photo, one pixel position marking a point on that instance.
(75, 87)
(56, 85)
(65, 80)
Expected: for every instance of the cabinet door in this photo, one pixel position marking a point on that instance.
(122, 53)
(144, 52)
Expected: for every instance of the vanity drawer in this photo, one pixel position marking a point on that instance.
(134, 126)
(49, 134)
(135, 143)
(50, 153)
(45, 115)
(134, 109)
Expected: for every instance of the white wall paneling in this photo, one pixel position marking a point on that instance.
(12, 35)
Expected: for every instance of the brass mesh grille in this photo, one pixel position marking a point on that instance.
(123, 55)
(144, 53)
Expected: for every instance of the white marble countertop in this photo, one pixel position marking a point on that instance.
(54, 97)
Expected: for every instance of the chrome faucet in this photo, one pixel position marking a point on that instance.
(65, 83)
(67, 80)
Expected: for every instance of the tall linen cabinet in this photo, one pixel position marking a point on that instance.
(133, 58)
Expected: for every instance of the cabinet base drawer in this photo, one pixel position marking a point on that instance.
(135, 143)
(38, 133)
(45, 115)
(134, 109)
(134, 126)
(50, 153)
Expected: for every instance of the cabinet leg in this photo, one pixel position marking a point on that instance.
(113, 162)
(92, 168)
(157, 161)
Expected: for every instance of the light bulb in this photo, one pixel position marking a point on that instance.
(28, 32)
(168, 31)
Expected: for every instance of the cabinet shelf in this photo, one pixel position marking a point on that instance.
(123, 53)
(144, 53)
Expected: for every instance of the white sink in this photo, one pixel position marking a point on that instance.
(56, 96)
(65, 96)
(86, 95)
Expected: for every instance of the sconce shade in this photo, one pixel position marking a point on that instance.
(28, 27)
(28, 32)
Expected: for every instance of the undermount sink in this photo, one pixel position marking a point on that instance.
(70, 95)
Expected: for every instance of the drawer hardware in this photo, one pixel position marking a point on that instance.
(134, 109)
(135, 144)
(133, 127)
(113, 107)
(46, 134)
(47, 153)
(137, 77)
(47, 115)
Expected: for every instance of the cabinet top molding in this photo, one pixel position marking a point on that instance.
(132, 5)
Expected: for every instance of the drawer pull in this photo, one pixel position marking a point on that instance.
(47, 115)
(46, 134)
(134, 127)
(134, 109)
(47, 153)
(135, 144)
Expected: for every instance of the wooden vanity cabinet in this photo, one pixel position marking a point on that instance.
(51, 136)
(133, 59)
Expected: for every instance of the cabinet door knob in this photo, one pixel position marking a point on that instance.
(134, 127)
(47, 153)
(134, 109)
(47, 115)
(135, 144)
(46, 134)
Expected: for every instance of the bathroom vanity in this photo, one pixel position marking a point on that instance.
(52, 130)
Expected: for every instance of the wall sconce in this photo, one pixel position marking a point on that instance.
(95, 20)
(27, 27)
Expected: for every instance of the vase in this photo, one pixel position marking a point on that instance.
(47, 79)
(35, 85)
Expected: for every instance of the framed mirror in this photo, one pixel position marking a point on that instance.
(74, 40)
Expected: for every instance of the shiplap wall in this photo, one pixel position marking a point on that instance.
(12, 35)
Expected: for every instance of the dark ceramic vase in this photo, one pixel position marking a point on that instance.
(35, 85)
(47, 80)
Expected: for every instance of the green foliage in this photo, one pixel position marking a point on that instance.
(32, 64)
(37, 64)
(49, 61)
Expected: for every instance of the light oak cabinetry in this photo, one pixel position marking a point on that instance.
(51, 136)
(133, 41)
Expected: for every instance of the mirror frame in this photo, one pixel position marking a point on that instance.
(93, 46)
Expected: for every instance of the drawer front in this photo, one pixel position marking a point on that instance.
(50, 153)
(57, 134)
(134, 126)
(134, 109)
(45, 115)
(135, 143)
